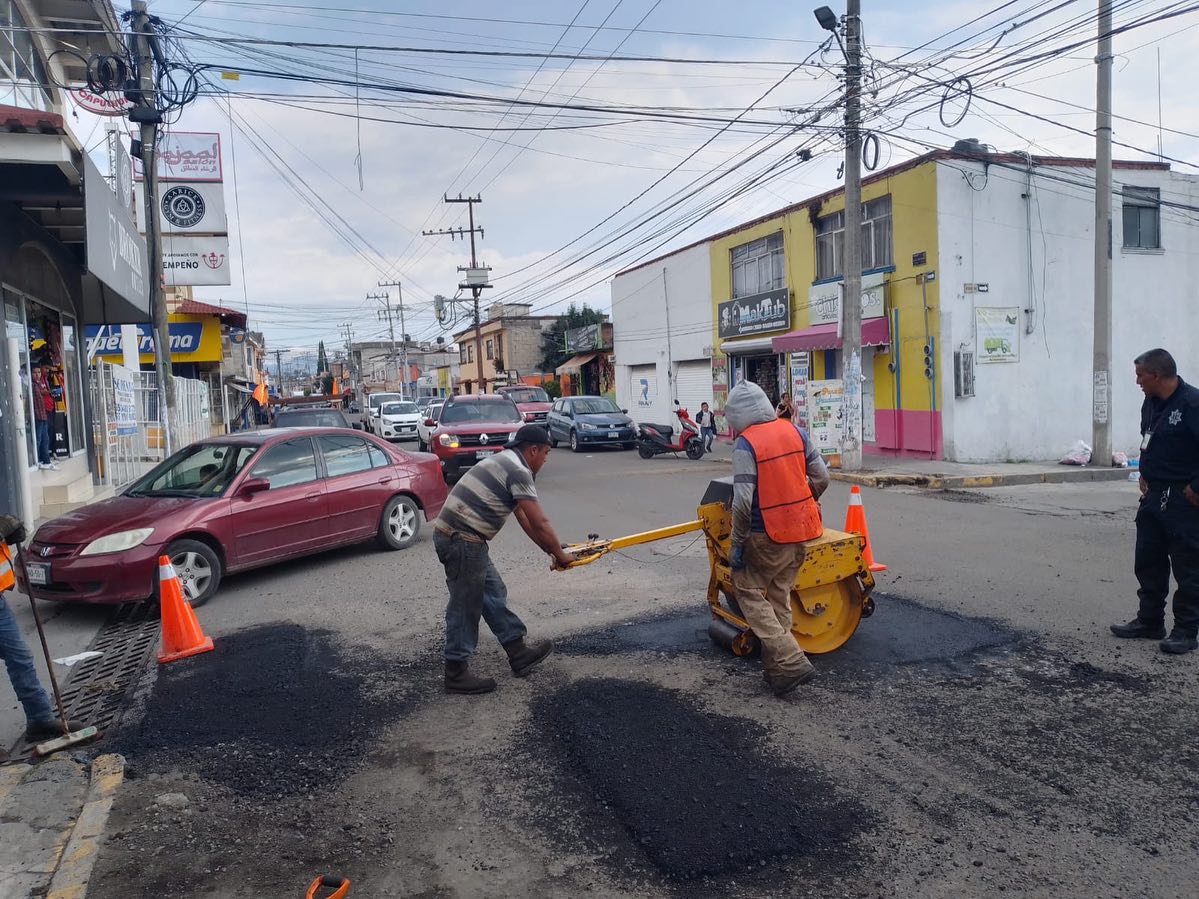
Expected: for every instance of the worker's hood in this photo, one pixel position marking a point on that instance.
(748, 405)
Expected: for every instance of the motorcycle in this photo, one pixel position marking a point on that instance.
(653, 440)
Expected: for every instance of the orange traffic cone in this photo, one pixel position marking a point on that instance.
(855, 523)
(181, 634)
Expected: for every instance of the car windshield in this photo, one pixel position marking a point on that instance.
(400, 409)
(378, 399)
(495, 410)
(202, 469)
(595, 406)
(310, 418)
(527, 395)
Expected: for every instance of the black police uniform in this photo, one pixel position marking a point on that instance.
(1167, 524)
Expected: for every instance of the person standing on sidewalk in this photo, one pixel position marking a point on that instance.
(1168, 516)
(43, 405)
(707, 426)
(474, 512)
(41, 722)
(777, 478)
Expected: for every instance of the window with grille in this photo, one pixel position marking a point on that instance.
(1142, 217)
(876, 240)
(758, 266)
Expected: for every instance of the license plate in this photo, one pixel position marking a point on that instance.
(483, 454)
(38, 572)
(612, 435)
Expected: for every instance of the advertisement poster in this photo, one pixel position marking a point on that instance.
(197, 207)
(800, 368)
(186, 156)
(124, 401)
(720, 391)
(997, 334)
(826, 412)
(192, 260)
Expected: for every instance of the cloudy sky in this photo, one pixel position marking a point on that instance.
(588, 161)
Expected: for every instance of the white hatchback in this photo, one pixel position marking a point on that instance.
(398, 421)
(428, 424)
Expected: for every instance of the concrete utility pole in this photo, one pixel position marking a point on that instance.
(146, 115)
(1101, 432)
(385, 313)
(851, 302)
(476, 277)
(403, 333)
(279, 369)
(348, 328)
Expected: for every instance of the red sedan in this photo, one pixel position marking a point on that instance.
(232, 503)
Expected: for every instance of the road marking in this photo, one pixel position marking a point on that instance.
(79, 857)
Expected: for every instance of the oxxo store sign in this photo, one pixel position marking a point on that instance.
(194, 338)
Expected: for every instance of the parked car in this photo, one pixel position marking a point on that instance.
(311, 418)
(424, 430)
(471, 428)
(583, 421)
(533, 402)
(398, 421)
(231, 503)
(373, 403)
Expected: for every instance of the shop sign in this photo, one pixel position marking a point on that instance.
(100, 104)
(799, 365)
(186, 156)
(124, 400)
(757, 314)
(194, 260)
(116, 252)
(193, 339)
(194, 207)
(824, 300)
(585, 339)
(826, 409)
(997, 334)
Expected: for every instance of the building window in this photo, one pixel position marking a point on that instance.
(876, 240)
(758, 266)
(23, 80)
(1142, 218)
(490, 349)
(462, 353)
(470, 352)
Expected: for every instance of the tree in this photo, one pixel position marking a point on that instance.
(553, 340)
(322, 362)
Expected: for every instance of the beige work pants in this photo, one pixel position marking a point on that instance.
(763, 590)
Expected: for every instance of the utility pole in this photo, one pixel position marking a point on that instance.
(403, 333)
(385, 313)
(145, 113)
(1101, 433)
(279, 369)
(476, 276)
(348, 328)
(851, 302)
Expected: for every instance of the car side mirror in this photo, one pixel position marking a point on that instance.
(253, 485)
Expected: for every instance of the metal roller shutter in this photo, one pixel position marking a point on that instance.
(693, 385)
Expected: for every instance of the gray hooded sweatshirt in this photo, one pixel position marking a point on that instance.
(748, 405)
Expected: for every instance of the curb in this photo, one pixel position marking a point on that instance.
(964, 482)
(79, 855)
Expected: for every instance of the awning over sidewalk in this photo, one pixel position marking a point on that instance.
(875, 332)
(575, 363)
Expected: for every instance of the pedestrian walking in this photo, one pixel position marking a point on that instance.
(40, 721)
(43, 405)
(473, 514)
(777, 477)
(1168, 516)
(707, 426)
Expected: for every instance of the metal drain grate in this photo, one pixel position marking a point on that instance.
(98, 688)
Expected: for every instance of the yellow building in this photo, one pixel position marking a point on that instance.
(776, 291)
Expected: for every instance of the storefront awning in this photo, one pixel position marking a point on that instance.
(875, 332)
(744, 347)
(575, 363)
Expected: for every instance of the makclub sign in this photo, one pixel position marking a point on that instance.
(116, 252)
(760, 313)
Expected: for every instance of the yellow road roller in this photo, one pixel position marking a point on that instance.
(832, 591)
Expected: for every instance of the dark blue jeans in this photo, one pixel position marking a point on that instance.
(43, 442)
(476, 589)
(709, 436)
(1168, 538)
(21, 670)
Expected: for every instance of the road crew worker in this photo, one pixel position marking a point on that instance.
(777, 478)
(1168, 516)
(473, 514)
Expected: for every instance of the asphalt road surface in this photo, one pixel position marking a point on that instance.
(981, 734)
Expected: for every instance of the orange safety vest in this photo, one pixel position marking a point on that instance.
(7, 578)
(789, 510)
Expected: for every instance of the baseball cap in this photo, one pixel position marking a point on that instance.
(531, 435)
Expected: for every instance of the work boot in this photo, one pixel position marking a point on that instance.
(50, 729)
(782, 684)
(524, 656)
(458, 679)
(1138, 628)
(1178, 642)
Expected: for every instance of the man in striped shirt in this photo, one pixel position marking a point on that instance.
(473, 514)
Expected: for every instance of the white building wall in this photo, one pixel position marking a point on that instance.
(639, 315)
(1035, 409)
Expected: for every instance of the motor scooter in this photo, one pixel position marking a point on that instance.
(653, 440)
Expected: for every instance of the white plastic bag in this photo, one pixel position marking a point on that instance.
(1080, 454)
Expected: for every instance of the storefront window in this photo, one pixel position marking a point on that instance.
(14, 329)
(44, 333)
(73, 383)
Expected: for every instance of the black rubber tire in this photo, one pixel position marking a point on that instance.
(399, 523)
(644, 451)
(553, 440)
(574, 442)
(179, 553)
(695, 449)
(421, 446)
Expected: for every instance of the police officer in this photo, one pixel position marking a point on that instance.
(1168, 517)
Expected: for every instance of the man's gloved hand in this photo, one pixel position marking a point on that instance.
(12, 530)
(737, 557)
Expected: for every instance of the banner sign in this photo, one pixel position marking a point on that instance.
(191, 260)
(187, 156)
(997, 334)
(585, 339)
(116, 252)
(195, 207)
(113, 104)
(824, 300)
(826, 409)
(124, 400)
(194, 338)
(800, 367)
(757, 314)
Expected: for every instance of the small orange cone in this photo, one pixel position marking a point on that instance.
(855, 523)
(181, 634)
